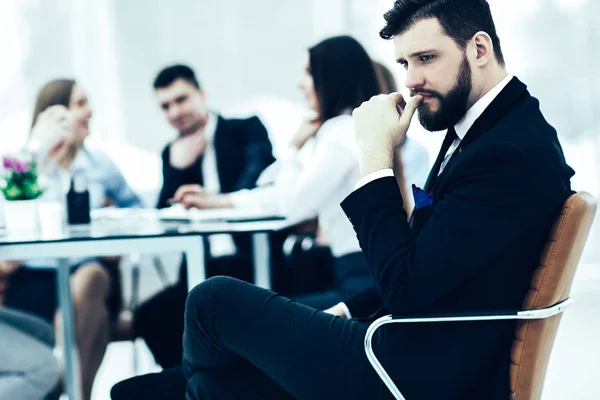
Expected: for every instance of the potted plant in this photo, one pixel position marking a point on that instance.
(21, 188)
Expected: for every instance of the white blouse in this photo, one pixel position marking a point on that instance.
(316, 187)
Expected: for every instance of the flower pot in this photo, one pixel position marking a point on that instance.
(21, 217)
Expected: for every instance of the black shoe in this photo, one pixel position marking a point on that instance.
(168, 384)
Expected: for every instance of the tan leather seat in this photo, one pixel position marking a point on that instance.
(551, 284)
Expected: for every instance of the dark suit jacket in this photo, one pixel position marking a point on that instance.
(473, 249)
(243, 151)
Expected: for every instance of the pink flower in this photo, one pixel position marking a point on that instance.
(7, 162)
(20, 167)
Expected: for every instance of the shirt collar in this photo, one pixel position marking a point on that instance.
(210, 128)
(463, 126)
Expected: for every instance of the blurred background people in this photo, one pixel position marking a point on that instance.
(60, 127)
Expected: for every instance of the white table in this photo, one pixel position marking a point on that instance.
(140, 233)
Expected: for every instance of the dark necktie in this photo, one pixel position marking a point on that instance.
(448, 140)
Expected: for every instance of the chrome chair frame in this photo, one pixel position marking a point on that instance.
(389, 319)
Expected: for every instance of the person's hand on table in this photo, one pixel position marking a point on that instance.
(186, 190)
(193, 200)
(195, 196)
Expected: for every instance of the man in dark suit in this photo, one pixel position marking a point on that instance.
(497, 186)
(233, 151)
(220, 156)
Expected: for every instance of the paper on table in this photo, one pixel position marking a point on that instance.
(177, 212)
(121, 213)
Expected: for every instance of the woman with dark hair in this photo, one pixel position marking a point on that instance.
(60, 126)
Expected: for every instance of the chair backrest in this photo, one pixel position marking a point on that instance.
(551, 284)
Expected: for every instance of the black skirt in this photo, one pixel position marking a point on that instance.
(34, 291)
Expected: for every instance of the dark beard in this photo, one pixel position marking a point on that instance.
(453, 106)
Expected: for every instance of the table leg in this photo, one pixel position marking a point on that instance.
(65, 302)
(262, 259)
(196, 267)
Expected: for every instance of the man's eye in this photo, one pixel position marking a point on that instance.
(426, 58)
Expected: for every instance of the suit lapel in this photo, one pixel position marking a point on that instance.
(438, 162)
(490, 117)
(495, 111)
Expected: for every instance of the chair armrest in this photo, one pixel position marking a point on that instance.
(463, 317)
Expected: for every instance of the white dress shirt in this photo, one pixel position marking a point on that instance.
(222, 244)
(461, 128)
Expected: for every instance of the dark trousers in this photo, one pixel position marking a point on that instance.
(352, 275)
(159, 320)
(244, 342)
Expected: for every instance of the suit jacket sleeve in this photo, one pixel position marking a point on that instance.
(258, 154)
(174, 178)
(486, 206)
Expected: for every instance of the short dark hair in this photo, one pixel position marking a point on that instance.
(343, 75)
(461, 19)
(168, 75)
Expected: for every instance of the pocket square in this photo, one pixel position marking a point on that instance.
(422, 198)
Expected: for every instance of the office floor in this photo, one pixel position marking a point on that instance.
(573, 372)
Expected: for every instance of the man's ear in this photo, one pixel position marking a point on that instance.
(483, 48)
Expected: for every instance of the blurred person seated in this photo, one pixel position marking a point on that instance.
(337, 78)
(60, 126)
(28, 369)
(222, 156)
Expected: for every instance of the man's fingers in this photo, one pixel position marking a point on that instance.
(397, 98)
(411, 108)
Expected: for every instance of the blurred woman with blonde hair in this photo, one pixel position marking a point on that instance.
(60, 126)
